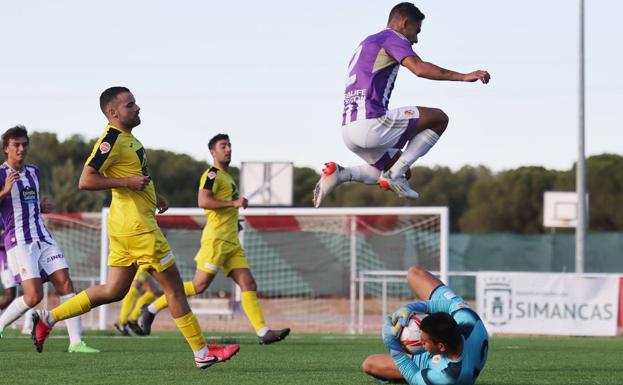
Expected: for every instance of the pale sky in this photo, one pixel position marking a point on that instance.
(272, 74)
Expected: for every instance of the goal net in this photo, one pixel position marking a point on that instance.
(78, 236)
(309, 264)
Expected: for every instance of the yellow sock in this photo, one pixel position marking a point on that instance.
(189, 289)
(74, 306)
(145, 299)
(252, 309)
(127, 304)
(189, 326)
(161, 302)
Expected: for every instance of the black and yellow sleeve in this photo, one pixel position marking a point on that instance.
(209, 179)
(103, 148)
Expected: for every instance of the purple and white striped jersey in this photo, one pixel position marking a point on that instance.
(20, 210)
(371, 75)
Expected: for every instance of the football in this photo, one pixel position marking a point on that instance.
(410, 335)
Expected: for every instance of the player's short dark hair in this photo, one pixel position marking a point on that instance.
(442, 328)
(18, 131)
(406, 10)
(109, 95)
(215, 139)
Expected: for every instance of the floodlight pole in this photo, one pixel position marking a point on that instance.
(580, 229)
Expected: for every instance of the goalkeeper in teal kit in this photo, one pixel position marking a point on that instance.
(453, 336)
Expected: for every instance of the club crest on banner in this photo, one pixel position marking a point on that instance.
(498, 301)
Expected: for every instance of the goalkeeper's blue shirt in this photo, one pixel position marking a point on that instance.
(424, 369)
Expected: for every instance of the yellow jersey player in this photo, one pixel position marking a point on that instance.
(220, 246)
(118, 162)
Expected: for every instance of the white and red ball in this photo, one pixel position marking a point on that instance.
(410, 337)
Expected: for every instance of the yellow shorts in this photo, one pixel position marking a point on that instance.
(141, 274)
(147, 251)
(216, 253)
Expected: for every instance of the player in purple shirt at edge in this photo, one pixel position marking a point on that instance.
(374, 132)
(32, 254)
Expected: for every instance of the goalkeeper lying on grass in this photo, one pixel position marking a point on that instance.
(453, 336)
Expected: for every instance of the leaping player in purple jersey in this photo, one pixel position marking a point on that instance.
(374, 132)
(33, 255)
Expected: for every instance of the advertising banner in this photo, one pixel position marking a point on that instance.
(548, 303)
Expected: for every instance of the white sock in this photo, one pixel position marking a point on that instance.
(15, 310)
(262, 332)
(201, 352)
(152, 309)
(365, 174)
(74, 325)
(47, 318)
(27, 326)
(417, 147)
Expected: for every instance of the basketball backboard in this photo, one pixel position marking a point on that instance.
(267, 183)
(560, 208)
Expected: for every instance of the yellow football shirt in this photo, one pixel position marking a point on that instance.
(221, 223)
(118, 154)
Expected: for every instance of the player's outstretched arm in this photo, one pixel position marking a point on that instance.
(431, 71)
(91, 179)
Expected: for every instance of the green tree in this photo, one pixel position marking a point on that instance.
(605, 187)
(437, 187)
(65, 194)
(479, 200)
(509, 201)
(305, 179)
(441, 186)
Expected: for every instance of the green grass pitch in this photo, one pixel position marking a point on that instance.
(305, 359)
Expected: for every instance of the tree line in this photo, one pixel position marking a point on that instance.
(480, 200)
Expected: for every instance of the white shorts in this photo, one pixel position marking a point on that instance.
(35, 260)
(6, 276)
(377, 140)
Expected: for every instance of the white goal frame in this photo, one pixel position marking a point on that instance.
(444, 229)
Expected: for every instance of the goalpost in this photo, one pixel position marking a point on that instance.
(308, 262)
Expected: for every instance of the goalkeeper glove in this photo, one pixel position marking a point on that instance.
(403, 314)
(391, 337)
